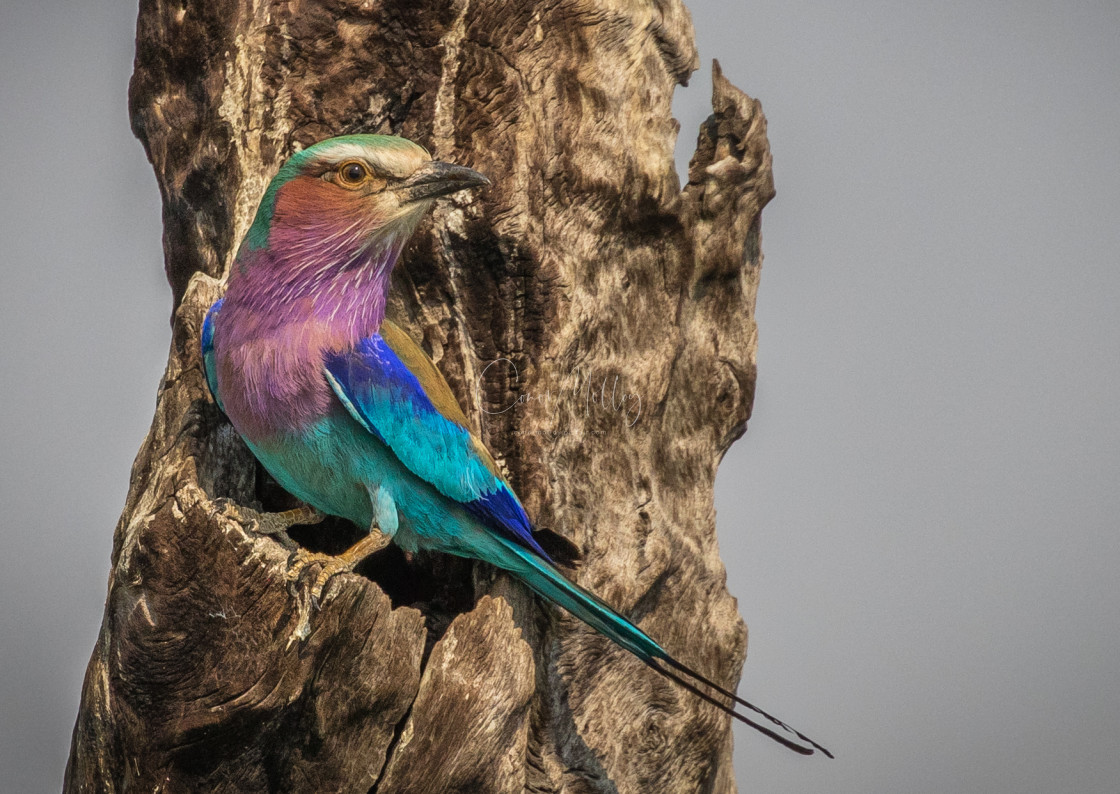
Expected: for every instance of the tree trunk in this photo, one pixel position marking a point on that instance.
(597, 324)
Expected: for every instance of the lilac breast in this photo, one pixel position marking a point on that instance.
(281, 316)
(271, 380)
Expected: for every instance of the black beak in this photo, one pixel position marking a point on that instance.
(436, 179)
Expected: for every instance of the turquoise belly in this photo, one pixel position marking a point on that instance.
(336, 465)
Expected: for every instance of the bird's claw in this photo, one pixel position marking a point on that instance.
(329, 566)
(332, 565)
(268, 523)
(225, 506)
(275, 525)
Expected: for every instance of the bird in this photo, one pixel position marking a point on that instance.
(353, 418)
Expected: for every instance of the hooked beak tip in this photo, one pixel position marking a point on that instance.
(436, 179)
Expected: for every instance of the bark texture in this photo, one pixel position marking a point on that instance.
(597, 323)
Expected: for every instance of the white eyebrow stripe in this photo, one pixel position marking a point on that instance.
(396, 161)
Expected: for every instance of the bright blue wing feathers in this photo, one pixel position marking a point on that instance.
(386, 397)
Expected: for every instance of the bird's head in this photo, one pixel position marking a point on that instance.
(346, 195)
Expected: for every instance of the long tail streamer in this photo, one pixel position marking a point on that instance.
(540, 575)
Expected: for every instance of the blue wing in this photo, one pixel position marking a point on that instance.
(394, 390)
(208, 350)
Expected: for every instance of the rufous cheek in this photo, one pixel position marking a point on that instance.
(305, 197)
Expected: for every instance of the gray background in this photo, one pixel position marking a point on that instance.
(920, 525)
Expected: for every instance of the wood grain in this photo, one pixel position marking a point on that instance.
(597, 323)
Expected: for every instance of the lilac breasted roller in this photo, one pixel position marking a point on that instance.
(352, 417)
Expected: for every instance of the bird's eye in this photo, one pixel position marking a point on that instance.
(353, 173)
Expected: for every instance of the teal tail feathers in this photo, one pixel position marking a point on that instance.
(551, 585)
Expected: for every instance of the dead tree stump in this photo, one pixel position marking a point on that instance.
(596, 322)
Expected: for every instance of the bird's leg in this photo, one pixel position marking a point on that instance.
(335, 564)
(381, 530)
(277, 524)
(273, 523)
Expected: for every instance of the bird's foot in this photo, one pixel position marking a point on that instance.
(332, 565)
(275, 524)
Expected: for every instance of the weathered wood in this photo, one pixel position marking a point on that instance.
(595, 320)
